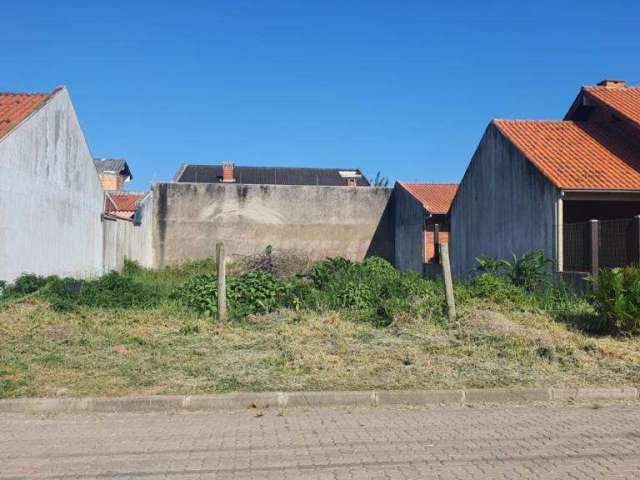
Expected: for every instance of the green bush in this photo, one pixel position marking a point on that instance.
(529, 270)
(252, 293)
(109, 291)
(491, 286)
(372, 290)
(200, 293)
(617, 299)
(324, 272)
(26, 284)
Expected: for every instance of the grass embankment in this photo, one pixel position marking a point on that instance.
(506, 337)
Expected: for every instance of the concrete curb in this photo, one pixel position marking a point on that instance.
(242, 401)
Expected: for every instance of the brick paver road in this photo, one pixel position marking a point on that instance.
(524, 442)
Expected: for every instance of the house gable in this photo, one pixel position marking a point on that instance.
(503, 205)
(46, 168)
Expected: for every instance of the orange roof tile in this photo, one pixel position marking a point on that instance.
(577, 155)
(123, 202)
(435, 197)
(624, 100)
(15, 107)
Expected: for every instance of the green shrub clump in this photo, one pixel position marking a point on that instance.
(252, 293)
(617, 299)
(372, 290)
(109, 291)
(529, 270)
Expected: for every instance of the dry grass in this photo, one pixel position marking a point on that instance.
(102, 352)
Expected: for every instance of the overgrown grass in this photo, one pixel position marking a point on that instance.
(353, 326)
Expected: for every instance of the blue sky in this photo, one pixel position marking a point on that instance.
(406, 88)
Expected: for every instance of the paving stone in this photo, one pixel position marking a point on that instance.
(530, 442)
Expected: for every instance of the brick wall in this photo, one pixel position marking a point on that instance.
(111, 181)
(429, 245)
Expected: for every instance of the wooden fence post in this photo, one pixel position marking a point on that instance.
(448, 281)
(635, 258)
(594, 241)
(222, 293)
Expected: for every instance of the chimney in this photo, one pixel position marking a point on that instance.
(612, 84)
(352, 182)
(227, 173)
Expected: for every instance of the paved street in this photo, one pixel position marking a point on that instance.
(526, 442)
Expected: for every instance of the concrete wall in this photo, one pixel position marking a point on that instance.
(123, 239)
(409, 216)
(503, 205)
(315, 221)
(50, 196)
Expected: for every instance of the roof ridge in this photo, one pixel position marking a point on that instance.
(262, 166)
(621, 89)
(427, 183)
(26, 94)
(531, 120)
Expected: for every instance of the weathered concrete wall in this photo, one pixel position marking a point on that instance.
(50, 196)
(504, 205)
(125, 240)
(409, 216)
(315, 221)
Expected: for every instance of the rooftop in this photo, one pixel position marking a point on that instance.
(435, 197)
(15, 107)
(578, 155)
(123, 204)
(113, 165)
(622, 99)
(271, 175)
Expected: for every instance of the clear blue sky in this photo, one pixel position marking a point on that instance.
(402, 87)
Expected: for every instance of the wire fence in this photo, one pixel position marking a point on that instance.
(618, 244)
(577, 247)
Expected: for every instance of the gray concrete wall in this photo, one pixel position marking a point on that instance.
(504, 205)
(314, 221)
(50, 196)
(125, 240)
(409, 215)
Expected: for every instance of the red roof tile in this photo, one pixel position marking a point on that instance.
(15, 107)
(624, 100)
(123, 202)
(577, 155)
(435, 197)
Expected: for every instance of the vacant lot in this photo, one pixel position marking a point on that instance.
(167, 349)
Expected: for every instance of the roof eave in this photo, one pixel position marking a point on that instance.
(599, 190)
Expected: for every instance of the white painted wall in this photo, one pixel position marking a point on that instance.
(50, 197)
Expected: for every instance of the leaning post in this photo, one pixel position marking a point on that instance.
(594, 242)
(635, 257)
(222, 293)
(448, 281)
